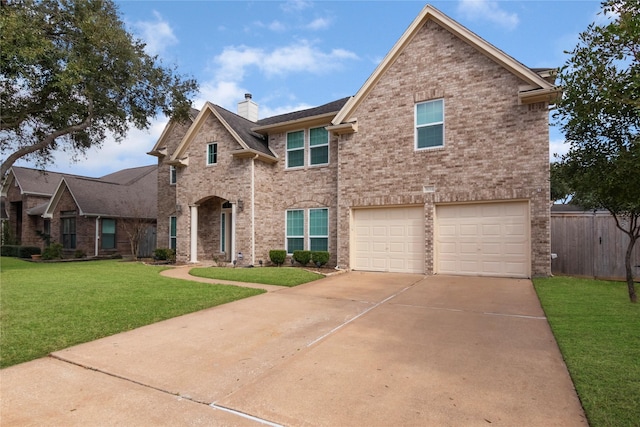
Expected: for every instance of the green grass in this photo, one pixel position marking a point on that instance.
(46, 307)
(598, 331)
(282, 276)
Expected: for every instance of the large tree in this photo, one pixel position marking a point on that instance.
(70, 74)
(600, 116)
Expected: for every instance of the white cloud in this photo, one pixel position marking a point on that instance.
(224, 93)
(277, 26)
(235, 62)
(295, 5)
(559, 147)
(488, 10)
(265, 111)
(158, 34)
(301, 57)
(319, 24)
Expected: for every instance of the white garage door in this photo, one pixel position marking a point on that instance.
(389, 239)
(489, 239)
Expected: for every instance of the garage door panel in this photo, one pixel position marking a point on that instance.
(396, 237)
(486, 239)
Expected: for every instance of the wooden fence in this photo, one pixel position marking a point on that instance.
(589, 244)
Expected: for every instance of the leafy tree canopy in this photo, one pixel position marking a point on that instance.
(70, 74)
(600, 116)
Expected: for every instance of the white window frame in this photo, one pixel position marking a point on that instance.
(208, 154)
(326, 144)
(173, 175)
(317, 236)
(286, 229)
(303, 149)
(416, 126)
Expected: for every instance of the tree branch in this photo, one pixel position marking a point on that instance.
(45, 142)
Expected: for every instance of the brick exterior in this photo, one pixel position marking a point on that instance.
(495, 150)
(24, 227)
(167, 192)
(86, 231)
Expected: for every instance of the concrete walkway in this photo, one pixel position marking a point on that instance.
(353, 349)
(182, 272)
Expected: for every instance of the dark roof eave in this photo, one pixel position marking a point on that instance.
(265, 129)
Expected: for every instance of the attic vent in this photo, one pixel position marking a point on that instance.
(248, 109)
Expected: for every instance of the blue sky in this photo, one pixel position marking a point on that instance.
(298, 54)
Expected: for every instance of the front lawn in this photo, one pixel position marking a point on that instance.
(50, 306)
(282, 276)
(598, 331)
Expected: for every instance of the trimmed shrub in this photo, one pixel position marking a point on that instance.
(277, 256)
(320, 258)
(302, 257)
(163, 254)
(79, 253)
(54, 251)
(27, 251)
(10, 250)
(18, 251)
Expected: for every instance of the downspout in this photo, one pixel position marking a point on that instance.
(97, 235)
(253, 210)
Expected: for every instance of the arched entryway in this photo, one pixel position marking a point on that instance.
(212, 230)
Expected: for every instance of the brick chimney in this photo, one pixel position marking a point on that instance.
(248, 109)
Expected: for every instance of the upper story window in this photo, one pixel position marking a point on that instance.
(430, 124)
(212, 153)
(173, 175)
(315, 140)
(295, 149)
(318, 146)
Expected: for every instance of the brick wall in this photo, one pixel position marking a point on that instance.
(166, 191)
(494, 148)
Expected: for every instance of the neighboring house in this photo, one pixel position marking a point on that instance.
(438, 165)
(588, 243)
(93, 216)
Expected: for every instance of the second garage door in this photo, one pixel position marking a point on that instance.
(389, 239)
(488, 239)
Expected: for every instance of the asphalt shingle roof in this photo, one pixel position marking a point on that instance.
(331, 107)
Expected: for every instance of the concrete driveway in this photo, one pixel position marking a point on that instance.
(355, 349)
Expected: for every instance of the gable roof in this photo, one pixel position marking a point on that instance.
(130, 175)
(538, 90)
(32, 181)
(159, 149)
(250, 143)
(119, 196)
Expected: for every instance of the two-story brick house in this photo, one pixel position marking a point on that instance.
(438, 164)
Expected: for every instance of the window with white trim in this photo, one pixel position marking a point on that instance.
(212, 153)
(295, 149)
(173, 175)
(295, 230)
(319, 229)
(429, 121)
(173, 232)
(318, 146)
